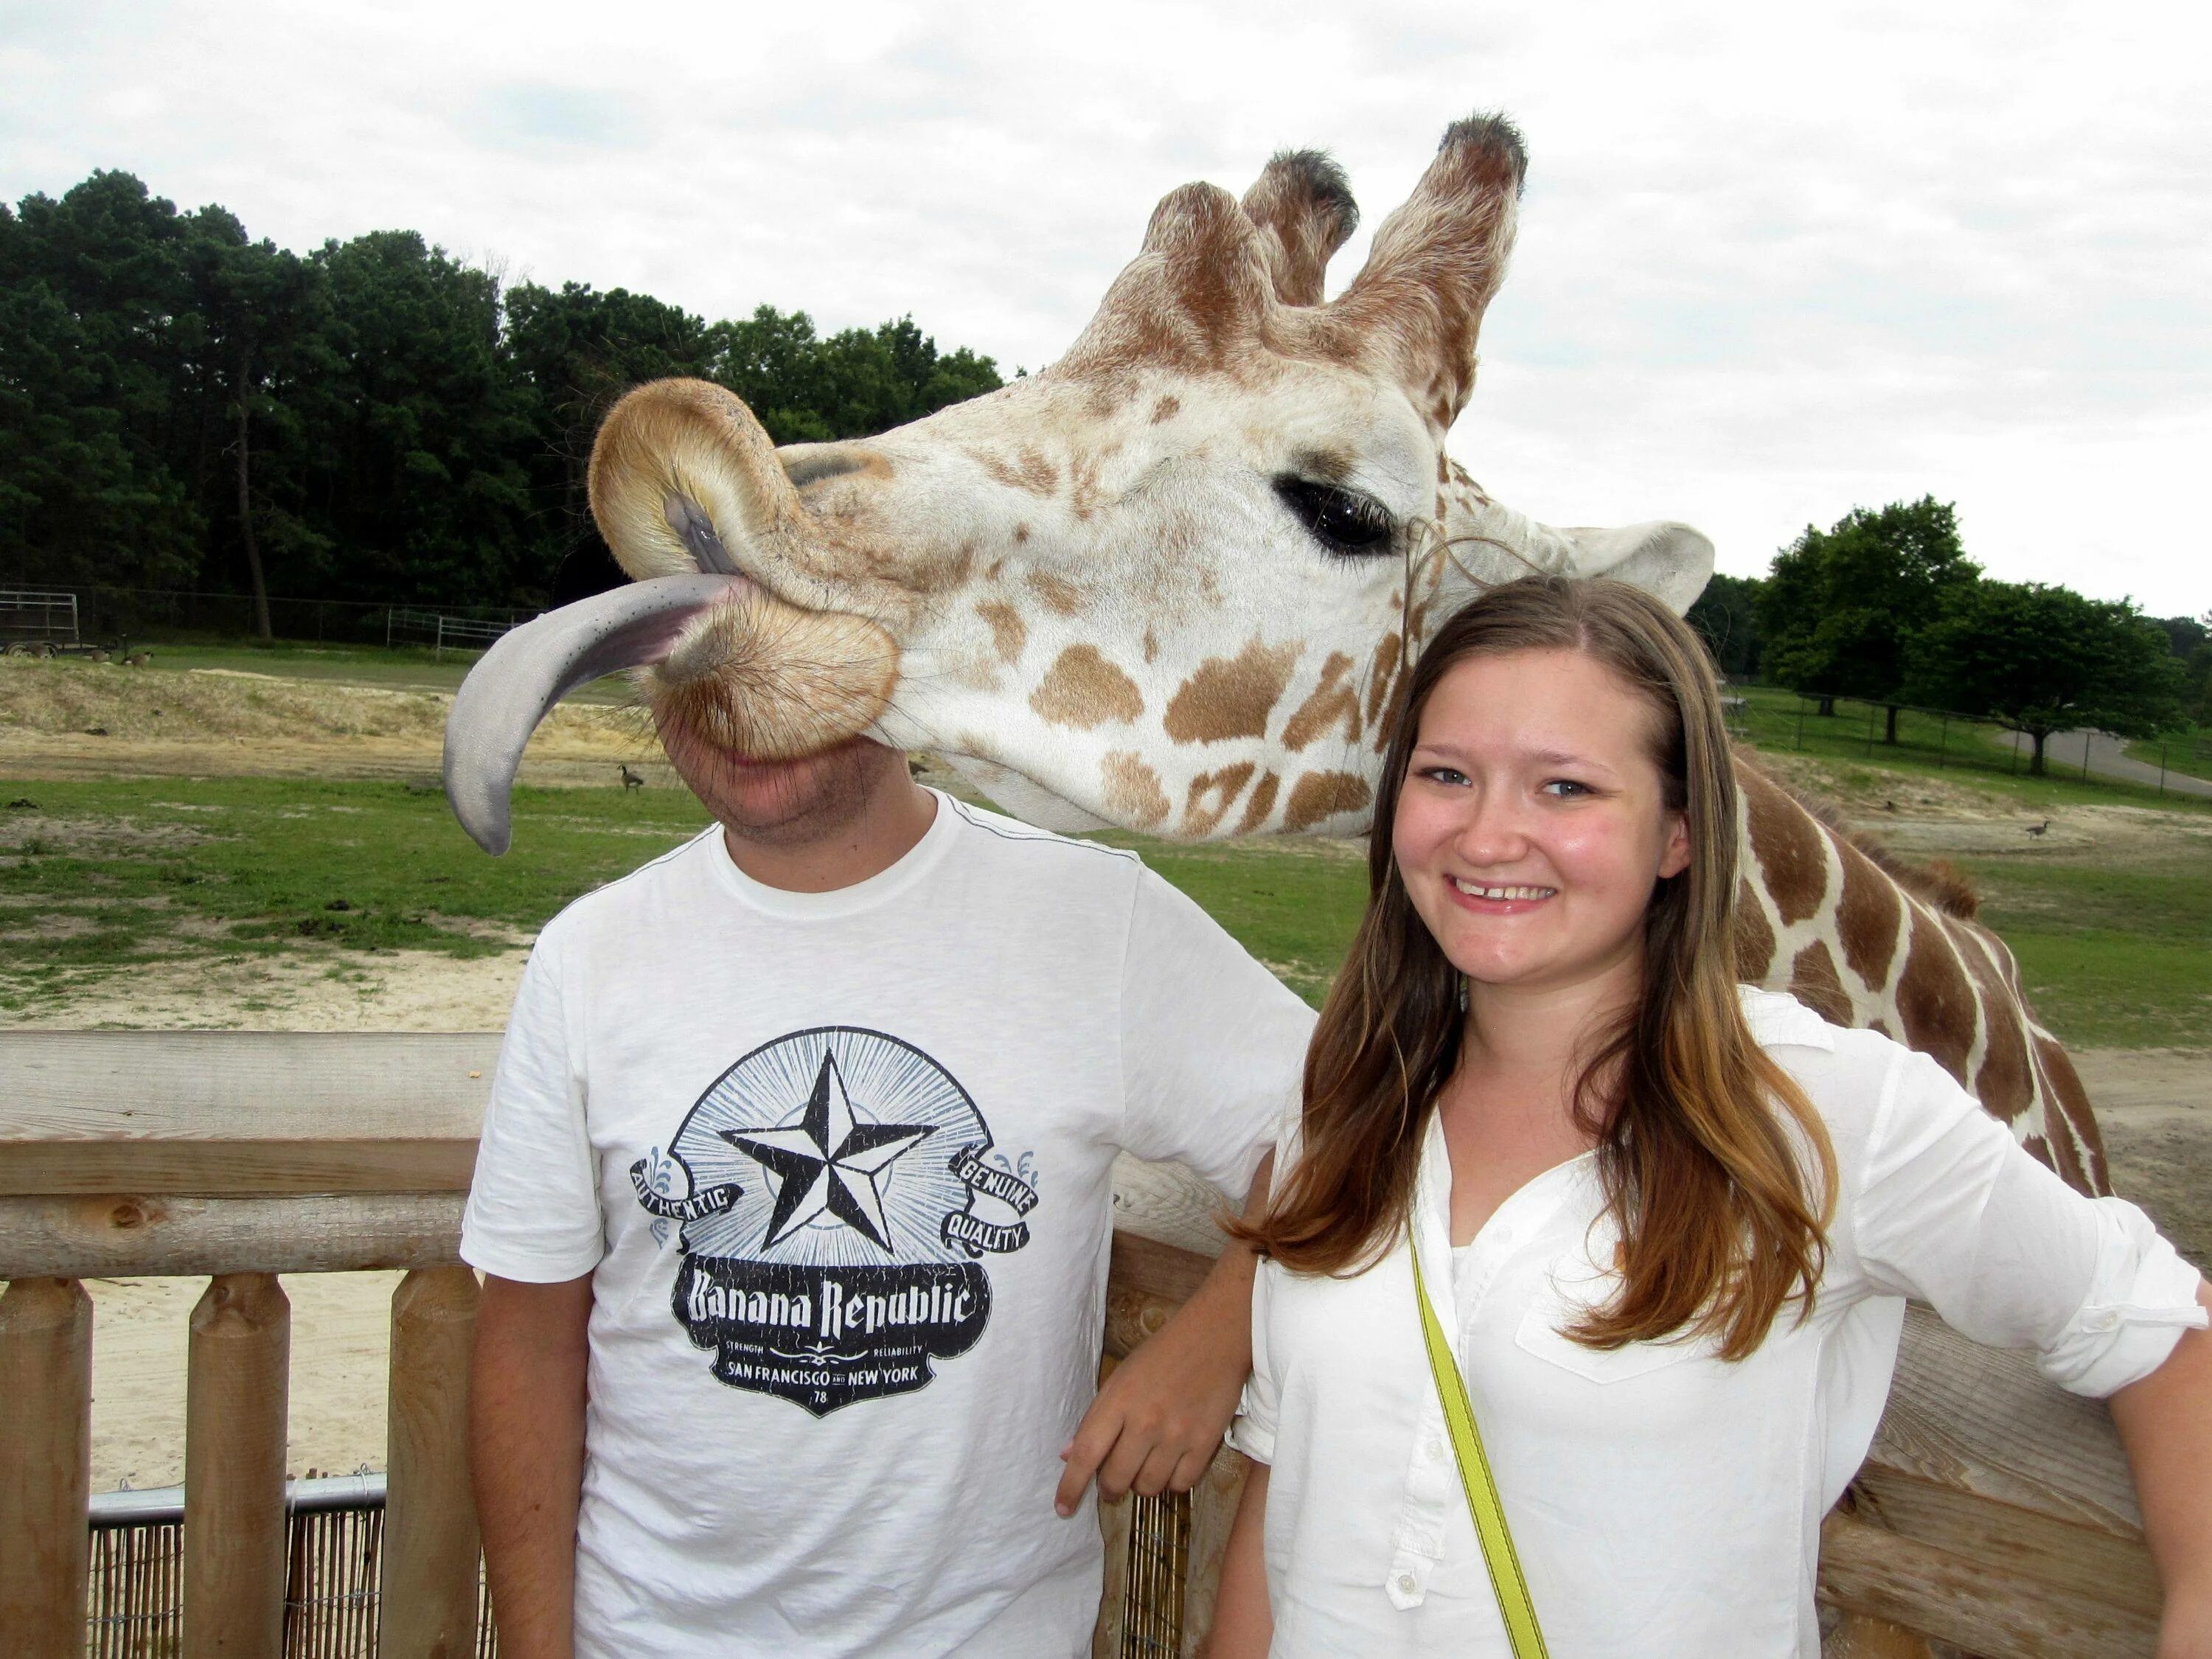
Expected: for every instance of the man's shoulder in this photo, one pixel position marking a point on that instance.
(994, 837)
(617, 901)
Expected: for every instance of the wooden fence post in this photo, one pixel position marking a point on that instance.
(1862, 1636)
(237, 1378)
(1213, 1504)
(428, 1603)
(45, 1465)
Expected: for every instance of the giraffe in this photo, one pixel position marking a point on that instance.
(1171, 583)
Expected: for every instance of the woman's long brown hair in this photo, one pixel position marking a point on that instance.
(1715, 1168)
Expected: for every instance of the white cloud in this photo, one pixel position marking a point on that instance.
(1775, 261)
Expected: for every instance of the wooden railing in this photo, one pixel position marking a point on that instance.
(1995, 1513)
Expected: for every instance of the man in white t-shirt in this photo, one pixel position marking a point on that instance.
(793, 1204)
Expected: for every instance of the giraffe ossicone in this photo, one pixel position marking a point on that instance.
(1171, 582)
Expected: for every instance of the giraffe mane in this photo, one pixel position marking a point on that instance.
(1938, 881)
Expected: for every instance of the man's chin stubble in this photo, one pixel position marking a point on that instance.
(778, 804)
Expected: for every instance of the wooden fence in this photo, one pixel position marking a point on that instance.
(1995, 1514)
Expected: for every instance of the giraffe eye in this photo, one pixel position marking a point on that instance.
(1347, 522)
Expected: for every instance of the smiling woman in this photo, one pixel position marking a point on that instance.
(1554, 1159)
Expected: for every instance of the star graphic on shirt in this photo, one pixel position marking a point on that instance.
(829, 1160)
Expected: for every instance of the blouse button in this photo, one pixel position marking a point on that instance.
(1435, 1448)
(1406, 1582)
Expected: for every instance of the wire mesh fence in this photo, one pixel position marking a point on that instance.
(1854, 728)
(335, 1560)
(113, 615)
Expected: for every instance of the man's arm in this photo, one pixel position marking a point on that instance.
(1158, 1421)
(527, 1455)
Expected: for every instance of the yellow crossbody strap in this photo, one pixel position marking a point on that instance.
(1497, 1538)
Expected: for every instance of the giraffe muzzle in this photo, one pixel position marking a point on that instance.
(715, 654)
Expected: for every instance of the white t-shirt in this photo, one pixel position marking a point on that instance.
(1664, 1503)
(838, 1165)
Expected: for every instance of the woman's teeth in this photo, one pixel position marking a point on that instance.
(1475, 889)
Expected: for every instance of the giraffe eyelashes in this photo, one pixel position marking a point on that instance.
(1348, 524)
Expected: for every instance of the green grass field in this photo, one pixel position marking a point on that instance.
(1928, 746)
(99, 878)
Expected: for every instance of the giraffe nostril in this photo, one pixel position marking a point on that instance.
(688, 519)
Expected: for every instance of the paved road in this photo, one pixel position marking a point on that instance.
(2064, 751)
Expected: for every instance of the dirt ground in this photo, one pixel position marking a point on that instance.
(81, 720)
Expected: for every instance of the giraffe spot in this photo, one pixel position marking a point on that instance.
(2004, 1082)
(1021, 534)
(1786, 843)
(1166, 409)
(1212, 795)
(1151, 647)
(1382, 676)
(1935, 1000)
(1008, 631)
(1230, 696)
(1029, 471)
(1261, 803)
(1754, 939)
(1134, 795)
(1869, 918)
(1059, 596)
(1815, 982)
(1334, 700)
(1320, 795)
(1083, 689)
(2066, 1108)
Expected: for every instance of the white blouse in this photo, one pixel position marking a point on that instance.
(1664, 1502)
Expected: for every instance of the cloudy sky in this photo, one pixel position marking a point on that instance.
(1775, 261)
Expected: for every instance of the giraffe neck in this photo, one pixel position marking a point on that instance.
(1866, 942)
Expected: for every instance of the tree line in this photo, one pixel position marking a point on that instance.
(1884, 606)
(184, 407)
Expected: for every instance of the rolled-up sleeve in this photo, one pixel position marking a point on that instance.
(1252, 1431)
(1951, 1209)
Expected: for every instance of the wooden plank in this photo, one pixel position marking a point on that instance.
(1213, 1504)
(1167, 1203)
(2065, 1557)
(243, 1085)
(45, 1465)
(1856, 1636)
(129, 1237)
(1145, 1283)
(1113, 1595)
(237, 1166)
(237, 1370)
(430, 1544)
(1983, 1421)
(1983, 1609)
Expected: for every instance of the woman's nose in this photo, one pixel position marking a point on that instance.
(1492, 831)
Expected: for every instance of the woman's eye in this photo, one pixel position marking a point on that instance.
(1565, 789)
(1444, 774)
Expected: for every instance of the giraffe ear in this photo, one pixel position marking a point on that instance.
(1437, 260)
(1670, 562)
(1303, 211)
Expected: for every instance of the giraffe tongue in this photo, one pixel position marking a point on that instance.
(518, 680)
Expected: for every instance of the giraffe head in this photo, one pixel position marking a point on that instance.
(1169, 583)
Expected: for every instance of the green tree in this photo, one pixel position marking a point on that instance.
(853, 385)
(1841, 603)
(2038, 660)
(571, 354)
(1726, 616)
(2190, 639)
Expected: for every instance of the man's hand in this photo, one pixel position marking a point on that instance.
(1158, 1421)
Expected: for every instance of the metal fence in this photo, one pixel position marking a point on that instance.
(440, 631)
(1848, 728)
(37, 617)
(115, 614)
(334, 1547)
